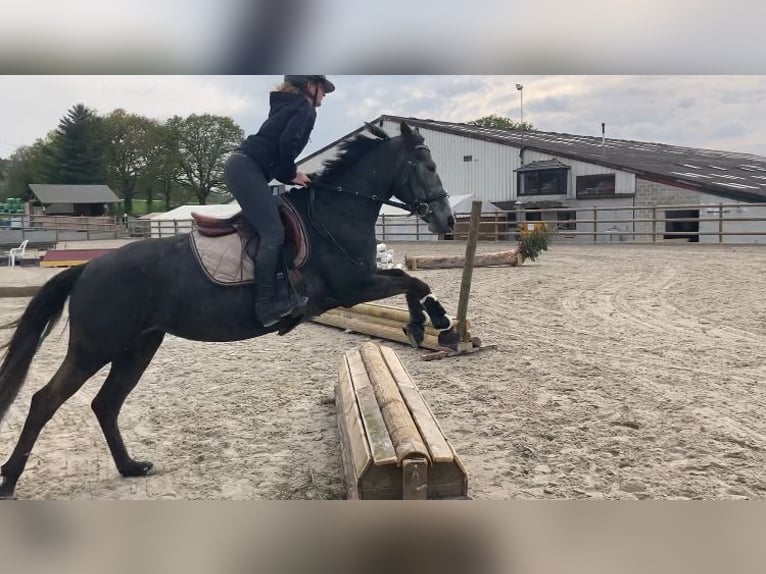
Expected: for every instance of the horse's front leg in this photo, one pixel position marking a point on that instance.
(421, 302)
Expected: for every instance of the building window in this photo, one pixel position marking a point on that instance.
(592, 186)
(467, 158)
(543, 182)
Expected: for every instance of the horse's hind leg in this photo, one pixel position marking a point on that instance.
(71, 375)
(124, 375)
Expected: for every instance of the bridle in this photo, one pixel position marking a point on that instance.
(418, 206)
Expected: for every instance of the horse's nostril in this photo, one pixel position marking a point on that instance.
(451, 222)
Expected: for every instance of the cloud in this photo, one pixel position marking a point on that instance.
(719, 112)
(33, 105)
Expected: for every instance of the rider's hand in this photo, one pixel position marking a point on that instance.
(301, 179)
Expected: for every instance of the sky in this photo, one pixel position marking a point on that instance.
(651, 71)
(704, 111)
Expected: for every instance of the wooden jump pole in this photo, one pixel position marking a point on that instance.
(366, 326)
(508, 257)
(375, 313)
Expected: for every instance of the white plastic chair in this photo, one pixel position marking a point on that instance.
(17, 252)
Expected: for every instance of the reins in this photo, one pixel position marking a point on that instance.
(419, 207)
(374, 197)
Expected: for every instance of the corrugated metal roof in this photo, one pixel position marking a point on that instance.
(735, 175)
(48, 194)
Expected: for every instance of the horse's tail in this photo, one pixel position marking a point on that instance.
(37, 321)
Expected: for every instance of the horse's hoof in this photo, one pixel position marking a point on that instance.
(6, 494)
(415, 334)
(137, 468)
(449, 339)
(7, 491)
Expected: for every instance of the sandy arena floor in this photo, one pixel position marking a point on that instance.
(622, 372)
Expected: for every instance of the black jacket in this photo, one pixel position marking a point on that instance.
(282, 136)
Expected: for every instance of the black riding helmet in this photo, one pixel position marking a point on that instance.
(300, 81)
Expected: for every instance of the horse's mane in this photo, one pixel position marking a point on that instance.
(350, 152)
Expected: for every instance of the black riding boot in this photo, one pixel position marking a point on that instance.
(274, 297)
(270, 303)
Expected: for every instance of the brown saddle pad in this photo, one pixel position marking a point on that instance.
(224, 248)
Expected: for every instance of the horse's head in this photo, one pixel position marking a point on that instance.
(420, 186)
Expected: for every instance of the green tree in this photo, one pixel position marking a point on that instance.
(78, 149)
(164, 165)
(130, 141)
(204, 141)
(4, 165)
(500, 122)
(28, 164)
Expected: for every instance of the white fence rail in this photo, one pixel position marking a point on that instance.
(711, 223)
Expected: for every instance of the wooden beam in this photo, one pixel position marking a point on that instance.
(392, 446)
(404, 434)
(508, 257)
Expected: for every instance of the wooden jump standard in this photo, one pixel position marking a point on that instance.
(391, 444)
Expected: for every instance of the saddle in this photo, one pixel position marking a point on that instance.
(225, 248)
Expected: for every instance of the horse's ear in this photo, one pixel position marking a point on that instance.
(406, 130)
(411, 135)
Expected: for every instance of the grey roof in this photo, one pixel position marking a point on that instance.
(73, 193)
(543, 164)
(734, 175)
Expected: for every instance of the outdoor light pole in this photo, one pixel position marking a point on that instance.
(520, 88)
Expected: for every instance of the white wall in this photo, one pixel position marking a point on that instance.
(490, 177)
(734, 210)
(179, 220)
(490, 174)
(624, 182)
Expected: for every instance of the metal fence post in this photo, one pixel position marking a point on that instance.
(720, 223)
(595, 224)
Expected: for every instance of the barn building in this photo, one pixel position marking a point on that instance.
(74, 200)
(594, 188)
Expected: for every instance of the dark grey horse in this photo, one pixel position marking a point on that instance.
(123, 303)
